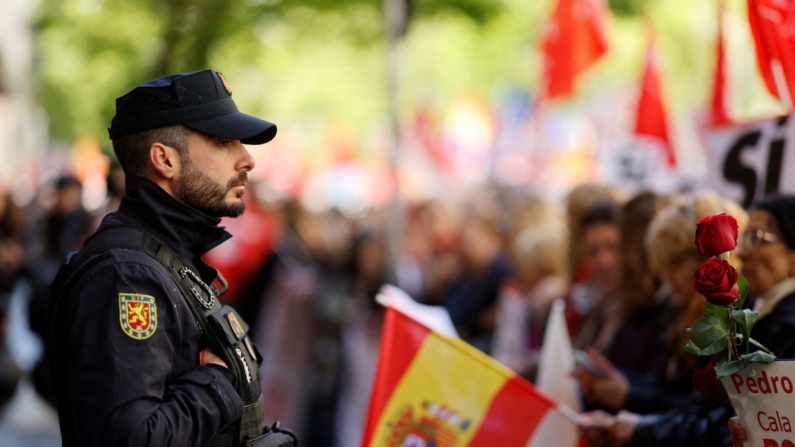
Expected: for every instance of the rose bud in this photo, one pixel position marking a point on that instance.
(705, 380)
(716, 234)
(717, 281)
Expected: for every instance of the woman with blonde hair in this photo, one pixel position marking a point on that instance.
(539, 258)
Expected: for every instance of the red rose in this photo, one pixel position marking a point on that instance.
(717, 281)
(716, 234)
(705, 380)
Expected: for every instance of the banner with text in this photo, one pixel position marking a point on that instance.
(748, 161)
(762, 395)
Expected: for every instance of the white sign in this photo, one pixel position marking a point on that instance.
(763, 396)
(750, 161)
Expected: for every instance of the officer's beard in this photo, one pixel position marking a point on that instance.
(199, 191)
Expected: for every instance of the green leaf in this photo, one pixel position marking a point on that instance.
(759, 357)
(746, 319)
(714, 348)
(715, 311)
(692, 348)
(730, 368)
(707, 331)
(759, 345)
(743, 284)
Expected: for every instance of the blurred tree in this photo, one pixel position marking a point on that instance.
(91, 51)
(303, 61)
(626, 7)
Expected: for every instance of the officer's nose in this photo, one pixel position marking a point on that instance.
(246, 162)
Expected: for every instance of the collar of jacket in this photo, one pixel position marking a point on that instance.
(187, 231)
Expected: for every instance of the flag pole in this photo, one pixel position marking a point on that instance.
(568, 413)
(396, 18)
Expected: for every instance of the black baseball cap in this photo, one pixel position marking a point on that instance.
(200, 100)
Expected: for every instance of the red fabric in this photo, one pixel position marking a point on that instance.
(773, 27)
(720, 115)
(254, 235)
(573, 40)
(402, 338)
(513, 416)
(651, 117)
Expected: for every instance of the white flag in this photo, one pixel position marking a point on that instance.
(554, 379)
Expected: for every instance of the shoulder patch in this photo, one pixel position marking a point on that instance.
(137, 315)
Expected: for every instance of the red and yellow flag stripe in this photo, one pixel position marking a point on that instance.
(432, 387)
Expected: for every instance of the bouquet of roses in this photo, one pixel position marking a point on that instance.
(725, 325)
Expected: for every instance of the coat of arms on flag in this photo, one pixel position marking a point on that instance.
(436, 390)
(137, 315)
(428, 424)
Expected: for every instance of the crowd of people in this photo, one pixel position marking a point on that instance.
(306, 284)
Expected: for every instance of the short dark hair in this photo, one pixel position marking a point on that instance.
(782, 208)
(132, 150)
(602, 212)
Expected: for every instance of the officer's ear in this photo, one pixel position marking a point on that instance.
(164, 160)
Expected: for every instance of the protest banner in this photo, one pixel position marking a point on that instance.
(763, 397)
(749, 161)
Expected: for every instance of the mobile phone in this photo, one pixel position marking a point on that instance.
(584, 360)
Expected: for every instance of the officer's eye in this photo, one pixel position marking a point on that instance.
(225, 143)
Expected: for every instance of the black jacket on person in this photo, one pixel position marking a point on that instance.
(705, 425)
(146, 388)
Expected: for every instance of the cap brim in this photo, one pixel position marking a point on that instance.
(236, 126)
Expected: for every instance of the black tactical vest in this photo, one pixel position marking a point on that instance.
(220, 325)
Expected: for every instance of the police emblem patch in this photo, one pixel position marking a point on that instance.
(226, 84)
(237, 328)
(137, 315)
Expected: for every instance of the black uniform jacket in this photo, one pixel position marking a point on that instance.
(131, 381)
(706, 425)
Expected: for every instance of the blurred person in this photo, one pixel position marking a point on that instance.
(339, 272)
(360, 338)
(11, 262)
(12, 251)
(142, 352)
(62, 229)
(442, 223)
(579, 202)
(472, 296)
(638, 346)
(115, 189)
(410, 271)
(767, 250)
(539, 260)
(662, 411)
(594, 301)
(285, 300)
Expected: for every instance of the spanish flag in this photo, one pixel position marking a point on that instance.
(434, 390)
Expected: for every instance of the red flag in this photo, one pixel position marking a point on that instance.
(720, 115)
(773, 26)
(432, 389)
(573, 40)
(651, 118)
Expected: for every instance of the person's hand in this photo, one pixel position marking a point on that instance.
(624, 427)
(208, 356)
(738, 434)
(610, 391)
(595, 427)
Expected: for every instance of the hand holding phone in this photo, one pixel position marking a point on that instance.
(582, 359)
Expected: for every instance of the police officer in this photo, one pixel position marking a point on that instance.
(142, 351)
